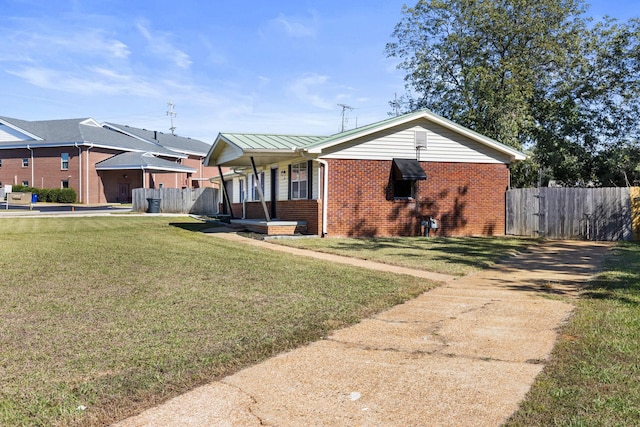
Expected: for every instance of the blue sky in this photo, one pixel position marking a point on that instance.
(252, 66)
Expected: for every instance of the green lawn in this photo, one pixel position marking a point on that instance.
(115, 314)
(102, 317)
(593, 378)
(457, 256)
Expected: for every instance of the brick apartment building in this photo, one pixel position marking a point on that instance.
(384, 179)
(103, 163)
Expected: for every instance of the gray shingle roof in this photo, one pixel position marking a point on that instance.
(172, 142)
(85, 132)
(141, 161)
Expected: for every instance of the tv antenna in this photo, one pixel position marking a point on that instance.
(344, 109)
(171, 114)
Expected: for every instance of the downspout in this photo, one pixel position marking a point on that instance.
(79, 170)
(246, 191)
(87, 172)
(325, 188)
(32, 172)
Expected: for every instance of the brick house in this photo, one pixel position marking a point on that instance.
(382, 179)
(103, 163)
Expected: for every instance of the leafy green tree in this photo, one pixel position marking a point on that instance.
(533, 75)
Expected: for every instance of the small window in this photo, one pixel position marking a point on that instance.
(405, 173)
(65, 183)
(25, 183)
(404, 189)
(0, 163)
(299, 179)
(161, 185)
(64, 161)
(25, 162)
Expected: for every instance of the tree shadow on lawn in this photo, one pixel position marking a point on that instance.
(470, 251)
(620, 279)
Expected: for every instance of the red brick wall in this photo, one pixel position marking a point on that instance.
(302, 210)
(46, 165)
(466, 198)
(102, 186)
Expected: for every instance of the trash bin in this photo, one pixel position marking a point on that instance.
(154, 205)
(34, 198)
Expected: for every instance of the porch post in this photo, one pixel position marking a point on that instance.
(264, 204)
(224, 191)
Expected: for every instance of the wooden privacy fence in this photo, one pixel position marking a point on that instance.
(198, 201)
(574, 213)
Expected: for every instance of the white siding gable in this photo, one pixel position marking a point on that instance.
(229, 153)
(443, 145)
(8, 134)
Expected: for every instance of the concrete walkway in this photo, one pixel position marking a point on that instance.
(463, 354)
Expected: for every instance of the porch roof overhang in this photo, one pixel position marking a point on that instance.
(260, 157)
(141, 161)
(238, 150)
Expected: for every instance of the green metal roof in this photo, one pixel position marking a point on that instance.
(254, 141)
(270, 143)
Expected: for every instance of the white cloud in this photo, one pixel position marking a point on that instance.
(308, 89)
(160, 45)
(293, 27)
(87, 81)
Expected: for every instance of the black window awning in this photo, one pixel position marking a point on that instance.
(407, 170)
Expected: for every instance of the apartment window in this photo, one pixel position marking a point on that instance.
(299, 180)
(25, 183)
(0, 163)
(65, 183)
(254, 185)
(64, 161)
(25, 162)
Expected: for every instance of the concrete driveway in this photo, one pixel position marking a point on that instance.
(463, 354)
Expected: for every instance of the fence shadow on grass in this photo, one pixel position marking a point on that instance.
(195, 226)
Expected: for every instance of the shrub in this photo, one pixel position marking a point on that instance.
(66, 195)
(56, 195)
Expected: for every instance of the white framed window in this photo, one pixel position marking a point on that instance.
(25, 183)
(64, 183)
(299, 180)
(25, 162)
(254, 186)
(0, 163)
(241, 184)
(64, 161)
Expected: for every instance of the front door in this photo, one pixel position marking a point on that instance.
(124, 193)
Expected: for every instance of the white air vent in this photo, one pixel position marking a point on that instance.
(421, 139)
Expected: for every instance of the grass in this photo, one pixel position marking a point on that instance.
(102, 317)
(456, 256)
(593, 378)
